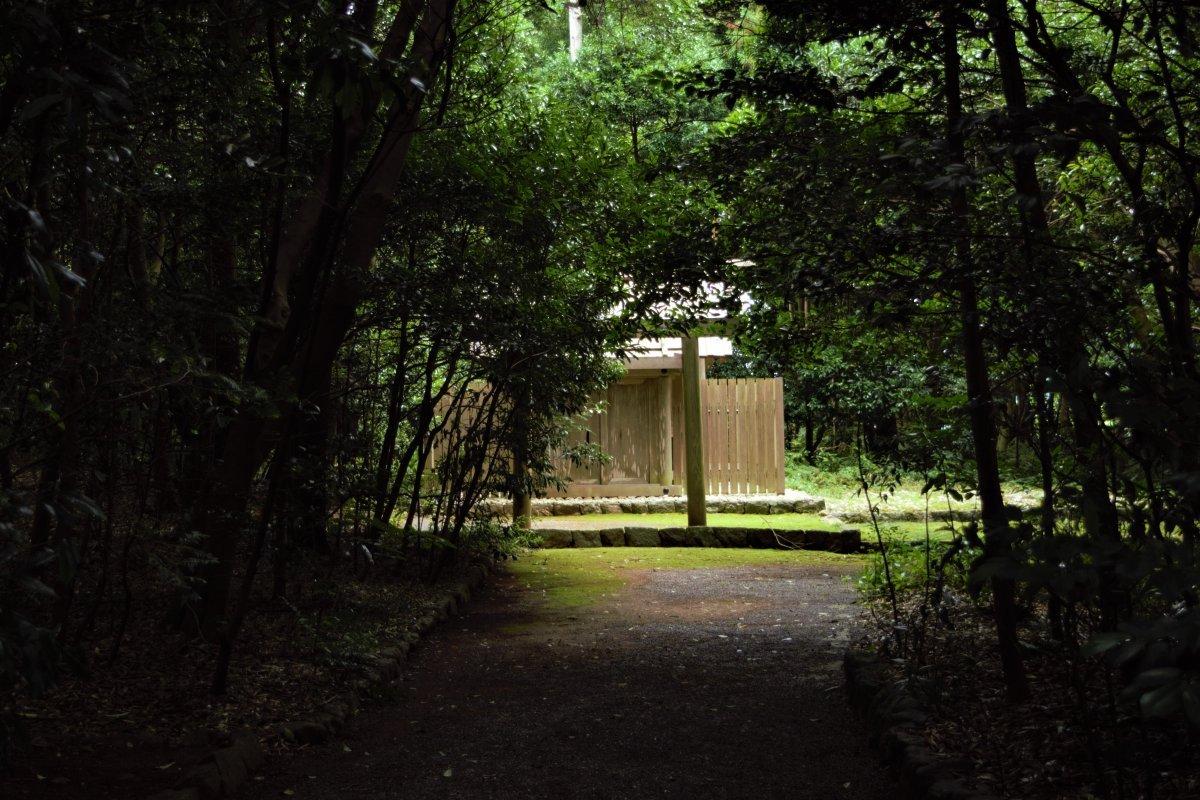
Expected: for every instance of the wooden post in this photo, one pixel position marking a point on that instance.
(693, 374)
(522, 512)
(666, 467)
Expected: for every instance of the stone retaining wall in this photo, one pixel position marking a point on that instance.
(895, 719)
(760, 504)
(844, 541)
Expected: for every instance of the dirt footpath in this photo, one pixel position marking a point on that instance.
(713, 683)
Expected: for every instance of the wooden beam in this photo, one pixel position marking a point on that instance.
(693, 374)
(666, 466)
(654, 363)
(522, 510)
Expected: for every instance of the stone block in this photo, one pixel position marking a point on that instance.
(702, 536)
(950, 790)
(305, 732)
(555, 538)
(232, 769)
(462, 594)
(249, 749)
(204, 779)
(761, 539)
(178, 794)
(792, 539)
(641, 537)
(673, 537)
(731, 537)
(613, 537)
(586, 538)
(808, 505)
(848, 541)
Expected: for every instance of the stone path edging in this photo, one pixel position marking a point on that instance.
(894, 719)
(225, 770)
(752, 504)
(843, 541)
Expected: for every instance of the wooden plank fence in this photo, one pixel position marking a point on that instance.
(743, 435)
(641, 428)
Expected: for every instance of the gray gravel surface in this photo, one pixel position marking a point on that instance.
(716, 683)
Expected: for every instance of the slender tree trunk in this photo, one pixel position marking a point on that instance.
(1070, 351)
(980, 402)
(332, 287)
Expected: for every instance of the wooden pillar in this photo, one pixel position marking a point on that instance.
(665, 473)
(693, 374)
(522, 501)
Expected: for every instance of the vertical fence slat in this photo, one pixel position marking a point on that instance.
(712, 474)
(712, 441)
(766, 424)
(707, 422)
(749, 401)
(721, 437)
(780, 445)
(745, 443)
(756, 435)
(739, 417)
(730, 437)
(727, 442)
(767, 419)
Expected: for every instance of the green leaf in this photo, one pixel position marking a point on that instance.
(1103, 642)
(1190, 697)
(40, 106)
(1163, 701)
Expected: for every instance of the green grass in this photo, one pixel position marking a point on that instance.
(576, 578)
(839, 486)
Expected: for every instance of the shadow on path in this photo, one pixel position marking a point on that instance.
(714, 683)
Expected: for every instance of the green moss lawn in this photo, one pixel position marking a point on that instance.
(572, 578)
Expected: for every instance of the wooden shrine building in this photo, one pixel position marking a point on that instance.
(642, 427)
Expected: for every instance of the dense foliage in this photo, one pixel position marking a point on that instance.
(990, 211)
(289, 286)
(286, 284)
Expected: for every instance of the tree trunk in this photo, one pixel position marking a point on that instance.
(1070, 352)
(980, 403)
(310, 341)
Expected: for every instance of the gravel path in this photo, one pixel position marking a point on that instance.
(714, 683)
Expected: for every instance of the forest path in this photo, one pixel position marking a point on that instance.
(653, 682)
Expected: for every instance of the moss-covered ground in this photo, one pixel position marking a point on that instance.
(578, 577)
